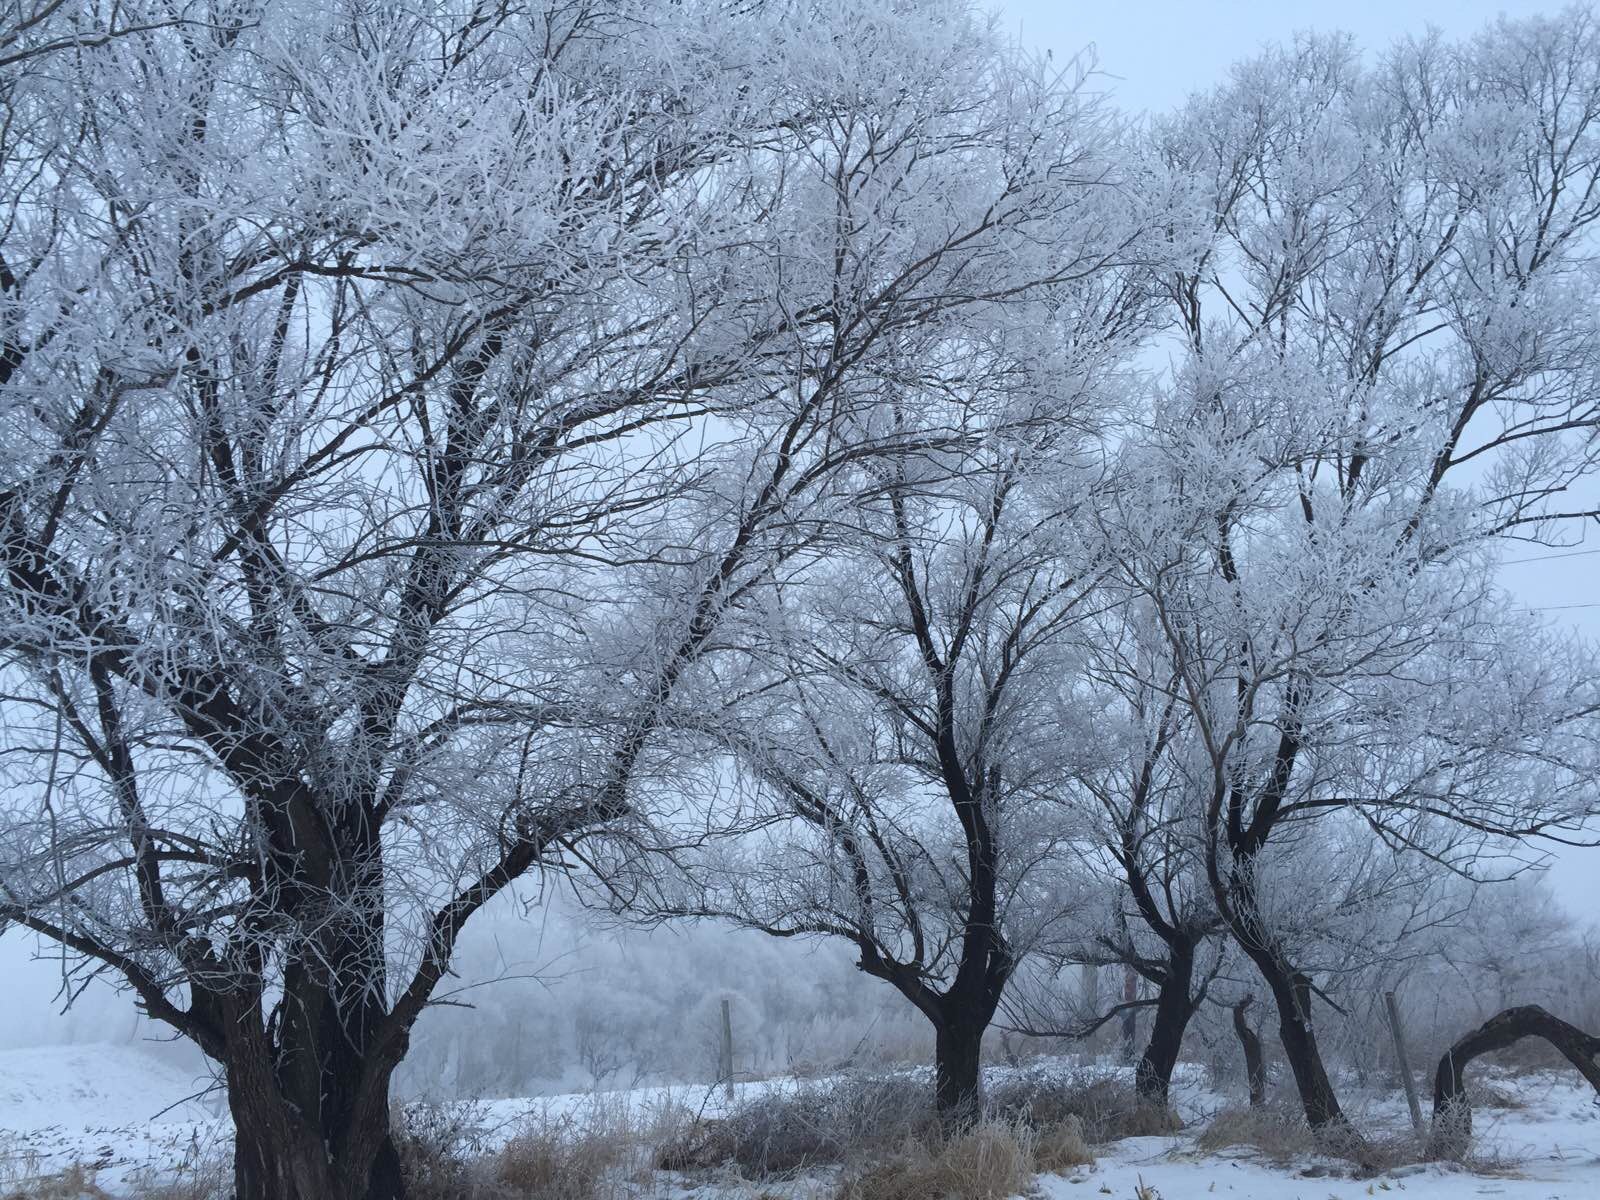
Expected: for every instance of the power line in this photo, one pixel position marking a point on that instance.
(1510, 562)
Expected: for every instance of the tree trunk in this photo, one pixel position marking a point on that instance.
(1174, 1008)
(308, 1095)
(278, 1155)
(1452, 1111)
(1255, 1068)
(1291, 991)
(275, 1155)
(346, 1132)
(1291, 994)
(958, 1089)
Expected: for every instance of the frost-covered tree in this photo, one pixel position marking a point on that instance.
(1390, 366)
(395, 397)
(894, 732)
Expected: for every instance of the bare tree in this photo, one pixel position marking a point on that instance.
(395, 399)
(1386, 372)
(890, 726)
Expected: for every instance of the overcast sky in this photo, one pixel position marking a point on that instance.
(1154, 53)
(1158, 51)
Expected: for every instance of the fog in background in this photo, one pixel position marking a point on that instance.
(562, 1002)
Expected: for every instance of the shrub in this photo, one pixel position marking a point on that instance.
(555, 1163)
(446, 1153)
(783, 1132)
(1107, 1109)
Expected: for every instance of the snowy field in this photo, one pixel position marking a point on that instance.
(130, 1118)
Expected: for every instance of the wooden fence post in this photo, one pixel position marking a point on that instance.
(725, 1064)
(1404, 1061)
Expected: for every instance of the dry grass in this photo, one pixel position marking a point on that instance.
(1387, 1151)
(989, 1161)
(1277, 1131)
(600, 1153)
(555, 1163)
(875, 1119)
(1061, 1147)
(786, 1132)
(206, 1173)
(74, 1183)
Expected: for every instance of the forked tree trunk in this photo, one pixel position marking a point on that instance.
(1452, 1110)
(1254, 1067)
(1175, 1006)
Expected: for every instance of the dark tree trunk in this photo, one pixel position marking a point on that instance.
(347, 1045)
(276, 1155)
(1291, 995)
(343, 1153)
(958, 1082)
(264, 1169)
(960, 1017)
(1255, 1068)
(1175, 1006)
(1291, 991)
(309, 1089)
(1452, 1111)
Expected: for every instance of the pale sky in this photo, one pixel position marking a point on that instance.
(1158, 51)
(1154, 53)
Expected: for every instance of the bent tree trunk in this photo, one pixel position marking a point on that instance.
(1452, 1110)
(1175, 1006)
(1254, 1068)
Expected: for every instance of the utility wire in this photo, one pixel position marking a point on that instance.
(1511, 562)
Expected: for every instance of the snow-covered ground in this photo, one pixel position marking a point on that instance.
(126, 1114)
(1549, 1150)
(113, 1108)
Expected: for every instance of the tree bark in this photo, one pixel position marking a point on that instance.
(1254, 1067)
(342, 1149)
(1452, 1110)
(1291, 994)
(1175, 1006)
(958, 1082)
